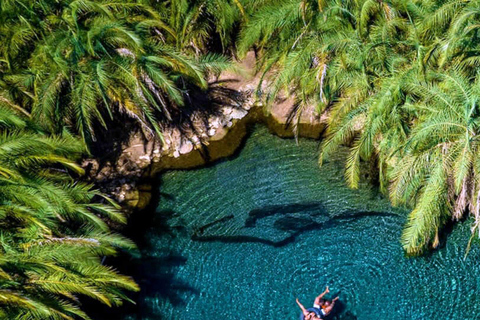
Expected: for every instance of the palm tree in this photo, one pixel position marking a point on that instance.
(54, 234)
(203, 26)
(411, 127)
(322, 51)
(399, 81)
(92, 57)
(436, 169)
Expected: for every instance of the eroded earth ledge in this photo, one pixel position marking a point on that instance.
(209, 139)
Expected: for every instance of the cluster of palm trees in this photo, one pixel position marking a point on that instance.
(67, 69)
(399, 79)
(52, 235)
(75, 63)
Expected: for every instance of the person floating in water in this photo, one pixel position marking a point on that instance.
(321, 307)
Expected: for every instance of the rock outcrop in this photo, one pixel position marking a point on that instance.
(219, 137)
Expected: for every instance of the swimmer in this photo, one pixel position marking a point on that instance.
(321, 307)
(308, 314)
(325, 306)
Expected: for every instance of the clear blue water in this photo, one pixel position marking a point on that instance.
(243, 238)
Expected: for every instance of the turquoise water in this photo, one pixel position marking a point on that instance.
(243, 238)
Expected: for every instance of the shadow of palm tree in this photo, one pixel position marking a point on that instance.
(289, 219)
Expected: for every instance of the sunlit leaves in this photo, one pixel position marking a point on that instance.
(399, 81)
(54, 231)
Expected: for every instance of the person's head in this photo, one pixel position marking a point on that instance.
(327, 303)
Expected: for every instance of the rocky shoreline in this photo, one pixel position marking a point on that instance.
(127, 178)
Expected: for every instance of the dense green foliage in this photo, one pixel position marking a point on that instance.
(399, 81)
(52, 237)
(74, 63)
(67, 68)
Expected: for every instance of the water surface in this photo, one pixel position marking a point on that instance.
(243, 238)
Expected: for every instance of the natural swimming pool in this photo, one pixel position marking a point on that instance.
(243, 238)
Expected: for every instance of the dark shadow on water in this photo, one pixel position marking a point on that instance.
(167, 196)
(444, 234)
(159, 281)
(316, 208)
(347, 315)
(157, 278)
(155, 274)
(155, 269)
(340, 311)
(250, 128)
(447, 232)
(244, 239)
(294, 219)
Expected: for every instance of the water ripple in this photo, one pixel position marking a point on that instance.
(270, 226)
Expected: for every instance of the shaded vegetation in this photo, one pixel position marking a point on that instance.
(67, 69)
(70, 64)
(399, 80)
(53, 237)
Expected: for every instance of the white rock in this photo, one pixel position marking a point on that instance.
(224, 122)
(177, 144)
(211, 132)
(186, 147)
(142, 164)
(144, 157)
(216, 123)
(238, 113)
(176, 154)
(175, 135)
(227, 110)
(156, 151)
(229, 124)
(125, 52)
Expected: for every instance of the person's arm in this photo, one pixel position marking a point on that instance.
(330, 307)
(304, 311)
(317, 299)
